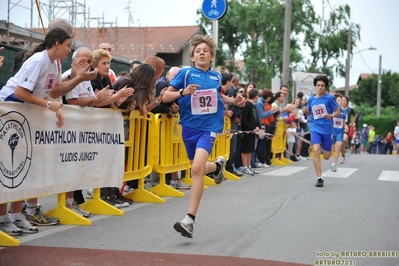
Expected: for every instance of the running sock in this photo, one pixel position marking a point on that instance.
(218, 168)
(320, 177)
(191, 216)
(30, 208)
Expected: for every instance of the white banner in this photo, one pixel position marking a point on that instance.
(38, 159)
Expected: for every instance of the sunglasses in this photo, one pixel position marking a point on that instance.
(241, 91)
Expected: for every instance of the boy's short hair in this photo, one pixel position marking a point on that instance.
(198, 39)
(226, 77)
(253, 93)
(338, 95)
(321, 78)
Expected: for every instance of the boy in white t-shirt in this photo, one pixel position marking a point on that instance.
(396, 133)
(291, 130)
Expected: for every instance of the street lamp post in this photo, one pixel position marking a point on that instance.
(379, 89)
(348, 56)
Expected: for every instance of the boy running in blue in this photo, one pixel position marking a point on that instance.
(198, 90)
(322, 108)
(338, 132)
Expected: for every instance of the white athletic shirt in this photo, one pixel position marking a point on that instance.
(396, 132)
(82, 90)
(37, 74)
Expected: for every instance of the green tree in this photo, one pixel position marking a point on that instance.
(366, 92)
(327, 41)
(254, 30)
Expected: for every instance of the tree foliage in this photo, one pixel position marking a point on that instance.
(366, 92)
(254, 30)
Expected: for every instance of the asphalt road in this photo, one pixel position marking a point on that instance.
(277, 215)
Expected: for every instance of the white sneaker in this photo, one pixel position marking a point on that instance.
(26, 227)
(78, 210)
(333, 167)
(265, 165)
(178, 184)
(9, 228)
(185, 227)
(220, 176)
(301, 158)
(248, 171)
(259, 165)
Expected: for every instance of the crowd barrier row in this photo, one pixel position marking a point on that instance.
(153, 143)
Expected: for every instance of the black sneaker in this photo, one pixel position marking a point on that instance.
(320, 183)
(123, 198)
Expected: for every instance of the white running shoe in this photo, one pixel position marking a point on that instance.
(10, 228)
(219, 177)
(178, 184)
(26, 227)
(185, 227)
(78, 210)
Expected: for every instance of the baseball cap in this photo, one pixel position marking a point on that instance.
(364, 125)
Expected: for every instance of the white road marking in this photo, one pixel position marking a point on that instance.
(285, 171)
(389, 176)
(341, 172)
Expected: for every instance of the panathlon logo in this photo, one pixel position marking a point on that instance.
(15, 149)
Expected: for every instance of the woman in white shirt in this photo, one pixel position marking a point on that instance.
(40, 73)
(32, 84)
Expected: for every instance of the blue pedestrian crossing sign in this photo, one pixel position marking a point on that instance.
(214, 9)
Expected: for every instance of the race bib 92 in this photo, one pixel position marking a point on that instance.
(204, 102)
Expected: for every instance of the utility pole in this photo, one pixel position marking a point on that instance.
(348, 58)
(287, 43)
(379, 89)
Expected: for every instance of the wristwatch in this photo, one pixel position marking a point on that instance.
(181, 92)
(157, 103)
(48, 104)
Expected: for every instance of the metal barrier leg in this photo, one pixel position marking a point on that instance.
(163, 190)
(66, 215)
(286, 161)
(98, 206)
(230, 176)
(276, 161)
(143, 195)
(8, 241)
(209, 181)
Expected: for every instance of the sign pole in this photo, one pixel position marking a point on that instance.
(215, 31)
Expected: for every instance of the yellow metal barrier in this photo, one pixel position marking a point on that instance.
(66, 215)
(139, 149)
(169, 154)
(279, 143)
(8, 241)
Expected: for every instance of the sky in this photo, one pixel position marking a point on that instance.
(378, 19)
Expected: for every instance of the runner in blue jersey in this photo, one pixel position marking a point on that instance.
(322, 107)
(339, 126)
(201, 103)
